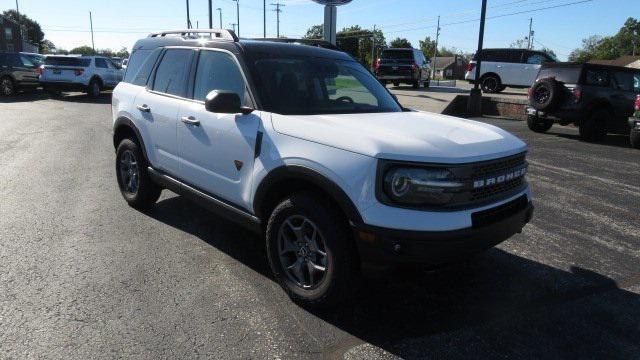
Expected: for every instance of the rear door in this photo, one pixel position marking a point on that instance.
(160, 103)
(532, 64)
(511, 68)
(102, 69)
(624, 94)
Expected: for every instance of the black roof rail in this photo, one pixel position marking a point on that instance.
(223, 34)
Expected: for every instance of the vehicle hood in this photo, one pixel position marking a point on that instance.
(409, 136)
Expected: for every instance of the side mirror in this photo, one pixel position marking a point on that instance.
(225, 102)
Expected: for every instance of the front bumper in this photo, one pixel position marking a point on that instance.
(634, 123)
(490, 227)
(61, 85)
(400, 78)
(563, 116)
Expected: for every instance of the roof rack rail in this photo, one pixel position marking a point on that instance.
(217, 33)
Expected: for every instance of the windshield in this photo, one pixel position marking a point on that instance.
(67, 61)
(397, 54)
(309, 86)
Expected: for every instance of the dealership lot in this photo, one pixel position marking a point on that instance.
(83, 275)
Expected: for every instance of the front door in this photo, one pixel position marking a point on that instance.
(217, 150)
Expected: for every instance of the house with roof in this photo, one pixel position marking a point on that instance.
(11, 37)
(450, 67)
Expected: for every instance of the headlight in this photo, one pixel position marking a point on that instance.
(420, 186)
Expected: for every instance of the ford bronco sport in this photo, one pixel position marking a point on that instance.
(599, 99)
(303, 145)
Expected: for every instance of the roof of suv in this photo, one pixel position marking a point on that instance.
(249, 46)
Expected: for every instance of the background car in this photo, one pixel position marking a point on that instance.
(634, 124)
(400, 65)
(17, 71)
(502, 68)
(598, 99)
(90, 74)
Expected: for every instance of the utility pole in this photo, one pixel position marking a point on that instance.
(264, 18)
(210, 14)
(238, 16)
(93, 45)
(220, 12)
(233, 25)
(530, 37)
(373, 48)
(435, 51)
(474, 105)
(188, 17)
(278, 11)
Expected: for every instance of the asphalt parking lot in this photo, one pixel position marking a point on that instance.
(82, 275)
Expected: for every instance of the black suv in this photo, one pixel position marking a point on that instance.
(598, 99)
(407, 66)
(17, 71)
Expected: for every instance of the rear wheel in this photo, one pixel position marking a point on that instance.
(383, 82)
(538, 125)
(311, 251)
(131, 171)
(7, 87)
(416, 84)
(594, 128)
(396, 84)
(427, 83)
(490, 84)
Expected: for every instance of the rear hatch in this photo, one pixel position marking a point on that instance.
(396, 63)
(64, 68)
(568, 76)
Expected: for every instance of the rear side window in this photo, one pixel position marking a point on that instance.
(171, 74)
(501, 55)
(597, 77)
(564, 75)
(67, 61)
(536, 59)
(218, 71)
(397, 54)
(623, 80)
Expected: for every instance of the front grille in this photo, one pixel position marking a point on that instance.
(496, 190)
(497, 166)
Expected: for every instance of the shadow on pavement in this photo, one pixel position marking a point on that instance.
(38, 95)
(609, 140)
(497, 305)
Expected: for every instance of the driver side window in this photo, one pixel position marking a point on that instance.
(218, 71)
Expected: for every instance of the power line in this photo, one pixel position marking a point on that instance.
(277, 11)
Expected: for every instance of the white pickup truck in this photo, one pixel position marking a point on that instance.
(90, 74)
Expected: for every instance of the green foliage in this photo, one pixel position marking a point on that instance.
(427, 46)
(400, 43)
(315, 32)
(82, 50)
(610, 47)
(35, 35)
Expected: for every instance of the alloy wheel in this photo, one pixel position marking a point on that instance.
(7, 87)
(302, 252)
(129, 174)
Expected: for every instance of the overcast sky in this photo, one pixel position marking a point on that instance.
(119, 23)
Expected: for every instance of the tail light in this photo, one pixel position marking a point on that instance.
(637, 105)
(577, 94)
(376, 65)
(78, 72)
(414, 66)
(471, 66)
(40, 70)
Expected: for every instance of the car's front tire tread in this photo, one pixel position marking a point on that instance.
(148, 192)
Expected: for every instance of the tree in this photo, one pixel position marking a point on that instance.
(625, 42)
(400, 43)
(427, 46)
(83, 50)
(549, 51)
(47, 47)
(123, 53)
(34, 33)
(588, 50)
(520, 44)
(314, 32)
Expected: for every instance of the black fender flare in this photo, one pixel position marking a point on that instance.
(298, 172)
(125, 123)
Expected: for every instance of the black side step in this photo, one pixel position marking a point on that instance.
(213, 204)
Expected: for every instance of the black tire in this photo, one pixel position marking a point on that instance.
(538, 125)
(427, 83)
(501, 88)
(339, 281)
(7, 86)
(490, 83)
(94, 88)
(383, 82)
(146, 192)
(634, 137)
(545, 94)
(396, 84)
(416, 84)
(594, 128)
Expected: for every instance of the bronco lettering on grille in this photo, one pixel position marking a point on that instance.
(494, 180)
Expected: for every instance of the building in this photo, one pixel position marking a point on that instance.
(11, 37)
(450, 67)
(626, 61)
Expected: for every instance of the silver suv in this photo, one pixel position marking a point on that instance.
(90, 74)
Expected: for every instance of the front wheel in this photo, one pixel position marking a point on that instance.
(311, 251)
(490, 84)
(416, 84)
(136, 186)
(538, 125)
(93, 89)
(7, 87)
(594, 128)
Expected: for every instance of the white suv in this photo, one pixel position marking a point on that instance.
(502, 68)
(302, 145)
(90, 74)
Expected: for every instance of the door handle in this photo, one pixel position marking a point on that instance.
(144, 108)
(190, 120)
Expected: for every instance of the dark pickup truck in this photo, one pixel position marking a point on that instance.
(599, 99)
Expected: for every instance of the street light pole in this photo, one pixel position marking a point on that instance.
(435, 51)
(474, 106)
(93, 45)
(264, 18)
(220, 13)
(238, 16)
(188, 17)
(210, 14)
